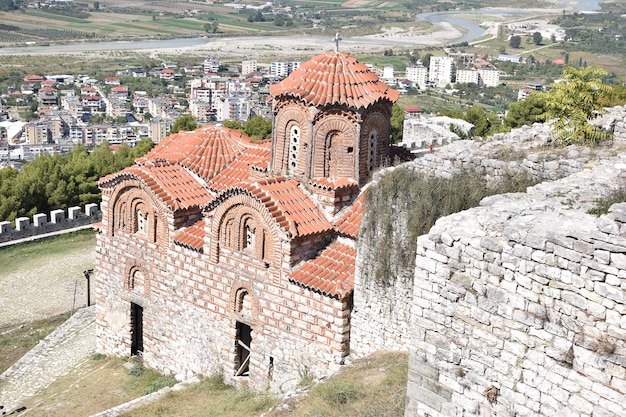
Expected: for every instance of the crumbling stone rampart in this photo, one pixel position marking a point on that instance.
(518, 305)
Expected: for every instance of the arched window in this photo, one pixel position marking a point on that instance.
(294, 149)
(142, 223)
(249, 238)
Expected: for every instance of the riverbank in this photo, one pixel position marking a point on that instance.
(446, 28)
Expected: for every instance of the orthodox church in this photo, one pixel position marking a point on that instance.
(219, 254)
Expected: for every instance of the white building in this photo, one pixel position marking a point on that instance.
(212, 64)
(283, 69)
(440, 70)
(469, 76)
(418, 74)
(489, 77)
(388, 72)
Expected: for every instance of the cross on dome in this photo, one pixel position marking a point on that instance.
(336, 39)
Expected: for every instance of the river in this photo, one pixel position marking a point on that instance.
(469, 29)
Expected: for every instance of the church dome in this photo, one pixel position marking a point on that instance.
(335, 78)
(206, 150)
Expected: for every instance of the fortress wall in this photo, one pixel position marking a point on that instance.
(519, 308)
(381, 316)
(42, 223)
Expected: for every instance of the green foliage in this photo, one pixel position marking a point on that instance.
(187, 123)
(60, 181)
(404, 205)
(397, 123)
(600, 33)
(515, 41)
(233, 124)
(603, 204)
(158, 383)
(537, 38)
(525, 112)
(337, 393)
(258, 128)
(573, 102)
(137, 369)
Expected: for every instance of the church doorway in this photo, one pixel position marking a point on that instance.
(136, 323)
(242, 349)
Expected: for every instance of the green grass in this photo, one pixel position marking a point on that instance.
(53, 16)
(12, 257)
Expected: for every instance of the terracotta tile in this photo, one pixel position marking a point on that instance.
(334, 78)
(335, 280)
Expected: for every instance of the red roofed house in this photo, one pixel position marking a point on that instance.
(220, 254)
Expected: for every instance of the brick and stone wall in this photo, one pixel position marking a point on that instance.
(192, 301)
(519, 305)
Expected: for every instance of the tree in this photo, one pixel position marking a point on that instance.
(233, 124)
(476, 116)
(258, 128)
(186, 123)
(515, 41)
(397, 123)
(426, 59)
(537, 38)
(525, 112)
(573, 102)
(96, 5)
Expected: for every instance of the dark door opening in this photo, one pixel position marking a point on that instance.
(136, 321)
(242, 349)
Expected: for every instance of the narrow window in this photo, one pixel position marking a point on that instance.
(294, 149)
(372, 149)
(249, 242)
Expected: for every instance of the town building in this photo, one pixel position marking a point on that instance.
(220, 254)
(248, 66)
(282, 69)
(418, 74)
(440, 70)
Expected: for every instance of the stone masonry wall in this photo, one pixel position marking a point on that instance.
(42, 223)
(381, 313)
(521, 150)
(519, 305)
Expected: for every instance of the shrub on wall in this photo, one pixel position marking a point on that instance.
(404, 205)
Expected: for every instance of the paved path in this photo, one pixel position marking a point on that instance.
(70, 345)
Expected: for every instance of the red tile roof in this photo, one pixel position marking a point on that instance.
(302, 215)
(191, 237)
(334, 78)
(350, 221)
(254, 158)
(206, 151)
(333, 183)
(291, 208)
(331, 272)
(173, 184)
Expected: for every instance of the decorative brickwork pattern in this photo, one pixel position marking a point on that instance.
(209, 261)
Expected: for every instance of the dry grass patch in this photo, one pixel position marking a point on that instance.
(15, 341)
(373, 386)
(210, 398)
(96, 385)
